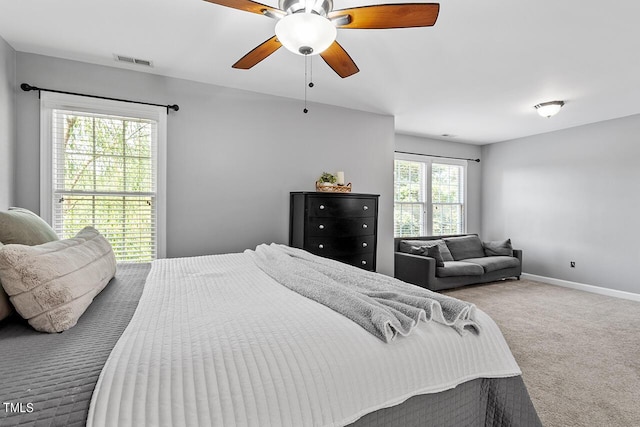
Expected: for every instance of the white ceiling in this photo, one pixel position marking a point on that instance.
(475, 75)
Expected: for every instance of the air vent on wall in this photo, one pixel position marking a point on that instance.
(131, 60)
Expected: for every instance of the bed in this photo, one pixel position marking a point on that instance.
(215, 340)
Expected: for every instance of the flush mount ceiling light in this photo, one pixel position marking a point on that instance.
(308, 27)
(548, 109)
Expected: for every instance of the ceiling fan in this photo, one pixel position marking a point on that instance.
(308, 27)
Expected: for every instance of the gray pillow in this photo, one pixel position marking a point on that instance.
(465, 247)
(498, 248)
(429, 251)
(434, 252)
(21, 226)
(413, 247)
(52, 284)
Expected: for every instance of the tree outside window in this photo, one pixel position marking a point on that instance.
(104, 178)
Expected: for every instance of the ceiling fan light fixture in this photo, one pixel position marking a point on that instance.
(306, 33)
(548, 109)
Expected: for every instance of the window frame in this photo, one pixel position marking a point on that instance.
(428, 161)
(50, 101)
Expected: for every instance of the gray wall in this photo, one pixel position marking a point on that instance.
(233, 156)
(571, 195)
(7, 123)
(436, 147)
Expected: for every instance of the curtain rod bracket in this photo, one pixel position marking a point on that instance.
(27, 88)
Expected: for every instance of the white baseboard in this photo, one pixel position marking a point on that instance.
(582, 287)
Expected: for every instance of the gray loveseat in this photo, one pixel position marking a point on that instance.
(444, 262)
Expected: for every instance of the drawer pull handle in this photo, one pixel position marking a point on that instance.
(364, 245)
(321, 227)
(365, 208)
(321, 207)
(364, 262)
(365, 226)
(321, 246)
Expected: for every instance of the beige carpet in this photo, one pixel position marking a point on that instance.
(579, 352)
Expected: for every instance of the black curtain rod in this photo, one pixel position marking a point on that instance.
(27, 87)
(442, 157)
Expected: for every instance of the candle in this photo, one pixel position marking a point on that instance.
(340, 178)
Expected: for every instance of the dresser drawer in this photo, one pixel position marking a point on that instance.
(317, 226)
(340, 246)
(364, 261)
(333, 207)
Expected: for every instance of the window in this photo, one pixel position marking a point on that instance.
(102, 164)
(410, 198)
(429, 196)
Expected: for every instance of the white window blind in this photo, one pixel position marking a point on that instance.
(409, 198)
(429, 196)
(447, 199)
(104, 173)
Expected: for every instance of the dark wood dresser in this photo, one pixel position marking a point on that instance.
(340, 226)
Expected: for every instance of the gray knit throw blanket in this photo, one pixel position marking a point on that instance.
(382, 305)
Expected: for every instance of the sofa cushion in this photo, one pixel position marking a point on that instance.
(459, 268)
(494, 263)
(465, 247)
(496, 248)
(52, 284)
(22, 226)
(418, 247)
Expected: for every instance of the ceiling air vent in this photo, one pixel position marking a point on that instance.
(131, 60)
(143, 62)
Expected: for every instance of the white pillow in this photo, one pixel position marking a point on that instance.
(52, 284)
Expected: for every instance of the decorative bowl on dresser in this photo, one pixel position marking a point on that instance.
(340, 226)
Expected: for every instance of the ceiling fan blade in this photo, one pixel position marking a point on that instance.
(403, 15)
(246, 5)
(339, 60)
(258, 54)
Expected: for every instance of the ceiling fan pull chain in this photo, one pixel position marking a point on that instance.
(306, 58)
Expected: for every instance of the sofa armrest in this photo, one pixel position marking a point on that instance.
(417, 269)
(518, 254)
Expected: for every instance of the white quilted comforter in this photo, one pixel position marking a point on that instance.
(217, 342)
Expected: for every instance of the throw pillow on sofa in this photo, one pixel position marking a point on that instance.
(430, 251)
(419, 247)
(498, 248)
(434, 252)
(465, 247)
